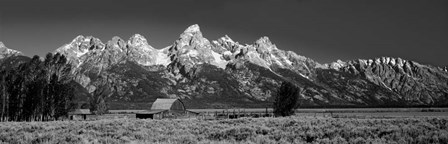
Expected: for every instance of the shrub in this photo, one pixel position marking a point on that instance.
(235, 133)
(260, 130)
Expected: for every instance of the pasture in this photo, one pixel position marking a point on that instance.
(337, 112)
(295, 129)
(215, 114)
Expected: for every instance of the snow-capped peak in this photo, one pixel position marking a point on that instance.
(138, 40)
(265, 43)
(78, 39)
(2, 45)
(117, 43)
(226, 38)
(264, 40)
(80, 46)
(116, 39)
(225, 41)
(193, 38)
(338, 64)
(193, 29)
(6, 52)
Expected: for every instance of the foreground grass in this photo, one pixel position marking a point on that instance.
(246, 130)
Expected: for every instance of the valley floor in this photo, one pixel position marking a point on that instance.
(296, 129)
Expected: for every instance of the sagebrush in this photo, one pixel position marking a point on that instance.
(246, 130)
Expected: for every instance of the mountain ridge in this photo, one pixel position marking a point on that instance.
(223, 73)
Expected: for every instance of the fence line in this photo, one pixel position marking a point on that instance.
(234, 114)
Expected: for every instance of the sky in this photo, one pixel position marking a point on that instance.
(323, 30)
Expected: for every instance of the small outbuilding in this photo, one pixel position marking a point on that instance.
(79, 114)
(166, 108)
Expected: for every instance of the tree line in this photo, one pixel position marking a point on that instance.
(37, 90)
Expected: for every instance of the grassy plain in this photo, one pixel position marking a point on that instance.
(296, 129)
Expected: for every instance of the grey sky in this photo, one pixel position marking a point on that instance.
(324, 30)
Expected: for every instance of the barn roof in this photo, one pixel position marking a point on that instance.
(150, 112)
(163, 104)
(80, 111)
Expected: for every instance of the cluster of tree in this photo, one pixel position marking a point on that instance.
(37, 90)
(285, 101)
(97, 100)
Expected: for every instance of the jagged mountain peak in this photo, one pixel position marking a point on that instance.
(335, 65)
(2, 45)
(211, 73)
(193, 49)
(191, 38)
(116, 40)
(391, 61)
(87, 50)
(263, 39)
(84, 41)
(417, 83)
(227, 39)
(139, 43)
(6, 52)
(265, 44)
(78, 39)
(116, 43)
(79, 46)
(193, 29)
(225, 45)
(137, 40)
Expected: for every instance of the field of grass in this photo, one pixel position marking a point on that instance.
(342, 112)
(296, 129)
(325, 110)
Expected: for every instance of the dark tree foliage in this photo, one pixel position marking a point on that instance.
(97, 100)
(37, 90)
(285, 101)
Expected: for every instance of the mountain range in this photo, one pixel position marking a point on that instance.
(223, 73)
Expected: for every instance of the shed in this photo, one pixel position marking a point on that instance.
(166, 108)
(79, 114)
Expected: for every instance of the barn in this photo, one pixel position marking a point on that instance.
(166, 108)
(79, 114)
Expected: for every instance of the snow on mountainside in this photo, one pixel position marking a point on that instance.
(6, 52)
(223, 73)
(10, 58)
(417, 84)
(144, 54)
(135, 49)
(177, 68)
(265, 54)
(189, 50)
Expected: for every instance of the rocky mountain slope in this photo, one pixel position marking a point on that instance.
(6, 52)
(10, 57)
(223, 73)
(416, 84)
